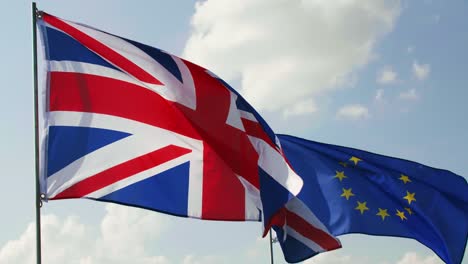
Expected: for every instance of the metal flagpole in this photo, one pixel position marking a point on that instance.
(271, 247)
(36, 133)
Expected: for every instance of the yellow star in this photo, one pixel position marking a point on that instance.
(404, 178)
(401, 214)
(410, 212)
(355, 160)
(410, 197)
(347, 193)
(340, 175)
(344, 164)
(383, 213)
(361, 207)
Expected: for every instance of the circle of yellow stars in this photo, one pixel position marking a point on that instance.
(362, 207)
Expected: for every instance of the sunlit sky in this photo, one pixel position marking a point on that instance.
(384, 76)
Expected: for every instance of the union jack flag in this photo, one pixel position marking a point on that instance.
(127, 123)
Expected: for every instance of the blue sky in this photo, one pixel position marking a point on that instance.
(384, 76)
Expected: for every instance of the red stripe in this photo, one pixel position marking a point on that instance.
(223, 193)
(102, 50)
(96, 94)
(254, 129)
(122, 171)
(306, 229)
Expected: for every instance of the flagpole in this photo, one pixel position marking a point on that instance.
(271, 247)
(36, 134)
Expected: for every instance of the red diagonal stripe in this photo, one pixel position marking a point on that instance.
(80, 92)
(102, 50)
(306, 229)
(254, 129)
(122, 171)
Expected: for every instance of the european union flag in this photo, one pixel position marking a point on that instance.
(354, 191)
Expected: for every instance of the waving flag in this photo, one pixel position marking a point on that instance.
(354, 191)
(300, 233)
(131, 124)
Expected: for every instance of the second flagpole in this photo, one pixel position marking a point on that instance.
(271, 247)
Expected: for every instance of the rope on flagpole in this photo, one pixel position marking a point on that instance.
(36, 134)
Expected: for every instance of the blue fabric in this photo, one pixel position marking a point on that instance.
(274, 199)
(158, 55)
(62, 47)
(165, 192)
(67, 144)
(293, 250)
(432, 203)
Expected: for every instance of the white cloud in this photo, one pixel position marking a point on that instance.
(65, 238)
(123, 226)
(193, 259)
(326, 259)
(303, 107)
(284, 52)
(413, 258)
(410, 49)
(379, 95)
(335, 257)
(421, 71)
(124, 235)
(353, 112)
(411, 94)
(387, 76)
(257, 250)
(131, 232)
(69, 241)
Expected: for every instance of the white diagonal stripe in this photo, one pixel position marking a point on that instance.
(247, 115)
(234, 117)
(271, 161)
(138, 177)
(92, 69)
(298, 207)
(304, 240)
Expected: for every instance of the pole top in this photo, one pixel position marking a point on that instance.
(37, 12)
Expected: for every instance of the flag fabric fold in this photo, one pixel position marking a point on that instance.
(127, 123)
(354, 191)
(300, 233)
